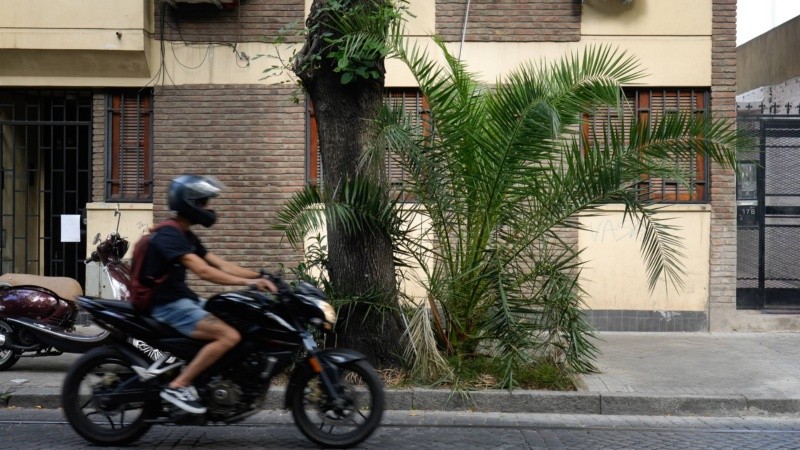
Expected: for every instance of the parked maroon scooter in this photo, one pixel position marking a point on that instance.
(38, 313)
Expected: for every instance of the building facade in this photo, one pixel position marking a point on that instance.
(128, 94)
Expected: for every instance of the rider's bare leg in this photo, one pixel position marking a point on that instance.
(223, 337)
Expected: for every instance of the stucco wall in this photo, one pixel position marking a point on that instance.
(769, 59)
(614, 275)
(42, 41)
(134, 220)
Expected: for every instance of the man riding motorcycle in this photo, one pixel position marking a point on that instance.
(171, 251)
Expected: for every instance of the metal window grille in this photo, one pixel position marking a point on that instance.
(129, 155)
(45, 154)
(648, 106)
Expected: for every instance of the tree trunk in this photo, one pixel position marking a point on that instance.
(358, 264)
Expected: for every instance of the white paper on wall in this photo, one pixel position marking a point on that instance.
(70, 228)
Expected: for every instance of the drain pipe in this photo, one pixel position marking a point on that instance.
(464, 29)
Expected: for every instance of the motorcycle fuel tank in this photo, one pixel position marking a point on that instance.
(244, 308)
(36, 303)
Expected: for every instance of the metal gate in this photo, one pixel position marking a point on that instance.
(45, 180)
(768, 204)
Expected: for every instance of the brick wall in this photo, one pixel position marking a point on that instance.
(251, 21)
(722, 288)
(510, 20)
(98, 145)
(252, 138)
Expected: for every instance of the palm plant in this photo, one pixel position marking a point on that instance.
(503, 172)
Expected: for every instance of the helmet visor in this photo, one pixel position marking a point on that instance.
(205, 188)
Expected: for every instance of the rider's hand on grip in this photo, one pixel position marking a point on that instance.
(263, 284)
(280, 286)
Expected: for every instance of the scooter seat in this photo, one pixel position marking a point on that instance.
(65, 287)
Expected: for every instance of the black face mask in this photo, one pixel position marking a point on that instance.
(209, 220)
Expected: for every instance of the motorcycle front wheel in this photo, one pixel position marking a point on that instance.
(8, 357)
(346, 424)
(88, 407)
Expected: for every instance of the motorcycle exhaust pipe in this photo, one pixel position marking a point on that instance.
(8, 344)
(18, 348)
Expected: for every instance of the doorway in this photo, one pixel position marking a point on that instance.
(45, 181)
(768, 214)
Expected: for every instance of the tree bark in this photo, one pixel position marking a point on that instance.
(358, 264)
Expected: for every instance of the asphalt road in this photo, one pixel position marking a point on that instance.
(46, 429)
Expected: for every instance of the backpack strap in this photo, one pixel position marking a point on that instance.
(167, 223)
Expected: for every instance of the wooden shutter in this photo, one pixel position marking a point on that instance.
(648, 106)
(130, 174)
(314, 161)
(653, 105)
(416, 108)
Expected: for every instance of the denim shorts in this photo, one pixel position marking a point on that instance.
(182, 314)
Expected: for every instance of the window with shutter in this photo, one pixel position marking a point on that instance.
(414, 105)
(129, 156)
(648, 105)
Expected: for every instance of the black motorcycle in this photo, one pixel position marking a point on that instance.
(111, 396)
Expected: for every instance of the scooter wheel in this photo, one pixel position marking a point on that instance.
(7, 357)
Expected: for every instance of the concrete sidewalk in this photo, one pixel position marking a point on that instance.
(704, 374)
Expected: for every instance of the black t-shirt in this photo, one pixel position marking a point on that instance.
(164, 253)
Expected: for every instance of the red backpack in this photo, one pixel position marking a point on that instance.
(142, 289)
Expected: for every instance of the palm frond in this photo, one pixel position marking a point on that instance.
(428, 362)
(302, 213)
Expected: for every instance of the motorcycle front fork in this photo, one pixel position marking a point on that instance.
(327, 373)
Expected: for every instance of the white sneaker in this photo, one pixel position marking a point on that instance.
(185, 398)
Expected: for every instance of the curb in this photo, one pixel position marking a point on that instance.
(520, 401)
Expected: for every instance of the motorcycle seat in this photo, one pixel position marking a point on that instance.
(127, 309)
(67, 288)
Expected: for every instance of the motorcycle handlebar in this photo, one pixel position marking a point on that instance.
(92, 258)
(283, 287)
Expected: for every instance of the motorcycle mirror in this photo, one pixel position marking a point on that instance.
(96, 239)
(118, 214)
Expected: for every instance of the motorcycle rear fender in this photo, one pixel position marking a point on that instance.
(127, 350)
(328, 357)
(37, 302)
(141, 390)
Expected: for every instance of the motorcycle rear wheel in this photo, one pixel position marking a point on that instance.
(327, 427)
(8, 357)
(97, 372)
